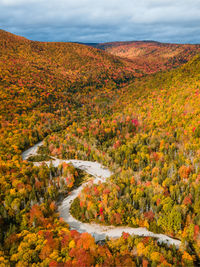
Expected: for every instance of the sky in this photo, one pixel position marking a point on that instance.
(172, 21)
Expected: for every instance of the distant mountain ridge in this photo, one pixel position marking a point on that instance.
(151, 56)
(135, 58)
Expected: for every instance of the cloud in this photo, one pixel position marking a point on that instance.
(103, 20)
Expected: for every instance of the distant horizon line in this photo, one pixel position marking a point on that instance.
(103, 42)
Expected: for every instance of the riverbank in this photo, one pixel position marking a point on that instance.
(100, 174)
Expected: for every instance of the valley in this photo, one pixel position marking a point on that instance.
(69, 109)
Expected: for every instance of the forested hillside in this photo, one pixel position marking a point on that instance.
(151, 141)
(42, 82)
(150, 57)
(86, 104)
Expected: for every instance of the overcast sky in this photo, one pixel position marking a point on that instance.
(103, 20)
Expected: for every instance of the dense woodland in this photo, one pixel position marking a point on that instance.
(87, 104)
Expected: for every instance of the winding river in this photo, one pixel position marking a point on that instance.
(99, 232)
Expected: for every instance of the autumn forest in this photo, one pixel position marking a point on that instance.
(134, 108)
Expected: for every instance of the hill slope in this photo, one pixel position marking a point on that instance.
(71, 63)
(150, 56)
(43, 80)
